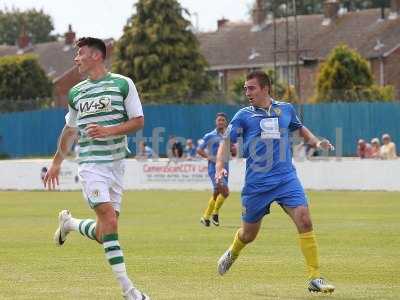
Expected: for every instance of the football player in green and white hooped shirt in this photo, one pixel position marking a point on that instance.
(104, 108)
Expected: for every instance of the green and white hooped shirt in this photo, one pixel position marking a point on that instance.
(109, 101)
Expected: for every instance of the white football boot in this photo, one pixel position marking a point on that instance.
(225, 262)
(61, 233)
(135, 294)
(320, 285)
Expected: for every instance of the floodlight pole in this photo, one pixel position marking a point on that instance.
(287, 43)
(275, 48)
(297, 78)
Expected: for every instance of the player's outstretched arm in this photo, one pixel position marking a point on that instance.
(222, 157)
(66, 139)
(312, 140)
(202, 153)
(132, 125)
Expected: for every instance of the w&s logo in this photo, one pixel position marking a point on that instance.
(94, 106)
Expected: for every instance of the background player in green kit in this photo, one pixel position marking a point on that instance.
(103, 109)
(266, 126)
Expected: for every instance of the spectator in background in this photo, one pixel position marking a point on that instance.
(388, 149)
(43, 173)
(303, 151)
(176, 147)
(375, 148)
(190, 150)
(364, 149)
(144, 151)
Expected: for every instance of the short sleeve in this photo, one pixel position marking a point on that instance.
(235, 127)
(295, 122)
(132, 102)
(202, 144)
(71, 117)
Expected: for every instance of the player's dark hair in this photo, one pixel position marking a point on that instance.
(222, 114)
(92, 42)
(262, 79)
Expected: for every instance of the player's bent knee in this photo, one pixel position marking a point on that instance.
(305, 224)
(109, 225)
(248, 237)
(107, 219)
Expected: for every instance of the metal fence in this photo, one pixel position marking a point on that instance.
(35, 133)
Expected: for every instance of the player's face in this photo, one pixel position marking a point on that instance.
(220, 122)
(254, 92)
(84, 59)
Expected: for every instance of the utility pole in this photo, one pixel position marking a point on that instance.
(275, 49)
(297, 80)
(287, 44)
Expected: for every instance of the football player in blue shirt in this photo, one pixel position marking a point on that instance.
(207, 149)
(266, 128)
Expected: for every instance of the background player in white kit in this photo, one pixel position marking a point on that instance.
(103, 108)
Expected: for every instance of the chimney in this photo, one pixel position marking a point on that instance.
(221, 23)
(331, 9)
(24, 41)
(394, 9)
(70, 36)
(259, 13)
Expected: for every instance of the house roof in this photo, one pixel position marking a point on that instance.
(56, 58)
(239, 45)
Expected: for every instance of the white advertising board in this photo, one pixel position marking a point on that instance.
(324, 174)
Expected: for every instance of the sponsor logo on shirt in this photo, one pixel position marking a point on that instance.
(95, 106)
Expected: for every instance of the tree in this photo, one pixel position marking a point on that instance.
(346, 76)
(280, 90)
(307, 7)
(364, 4)
(159, 52)
(35, 23)
(23, 83)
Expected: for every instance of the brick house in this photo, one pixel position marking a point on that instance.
(56, 59)
(237, 48)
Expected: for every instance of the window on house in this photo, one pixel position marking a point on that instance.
(287, 74)
(221, 81)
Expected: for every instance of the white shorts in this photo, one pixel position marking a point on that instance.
(102, 183)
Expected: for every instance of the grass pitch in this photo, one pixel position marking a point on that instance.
(171, 256)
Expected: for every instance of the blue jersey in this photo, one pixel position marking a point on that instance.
(266, 144)
(210, 142)
(190, 152)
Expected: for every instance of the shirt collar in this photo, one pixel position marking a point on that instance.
(273, 102)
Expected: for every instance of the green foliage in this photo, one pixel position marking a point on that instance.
(160, 53)
(278, 86)
(280, 90)
(306, 7)
(290, 94)
(378, 93)
(364, 4)
(346, 76)
(36, 23)
(22, 79)
(237, 91)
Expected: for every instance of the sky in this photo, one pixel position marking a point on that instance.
(106, 18)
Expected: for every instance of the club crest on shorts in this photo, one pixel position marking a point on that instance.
(95, 194)
(244, 210)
